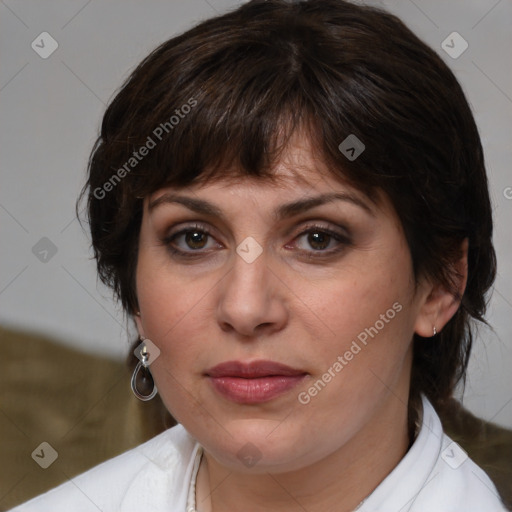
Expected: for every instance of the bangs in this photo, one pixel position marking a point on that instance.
(230, 114)
(221, 134)
(247, 139)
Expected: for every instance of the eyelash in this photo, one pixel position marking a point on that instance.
(343, 241)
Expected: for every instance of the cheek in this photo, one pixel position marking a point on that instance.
(365, 327)
(171, 313)
(168, 303)
(371, 300)
(165, 302)
(166, 296)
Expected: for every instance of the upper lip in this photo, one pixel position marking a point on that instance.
(251, 370)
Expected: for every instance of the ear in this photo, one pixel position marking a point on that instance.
(440, 304)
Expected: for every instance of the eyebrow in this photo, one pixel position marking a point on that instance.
(281, 212)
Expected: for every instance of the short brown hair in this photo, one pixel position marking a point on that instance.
(228, 94)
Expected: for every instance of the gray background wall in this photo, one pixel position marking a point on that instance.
(50, 113)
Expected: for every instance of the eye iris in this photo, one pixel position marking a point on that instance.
(195, 239)
(318, 240)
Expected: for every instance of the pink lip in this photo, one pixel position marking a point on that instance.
(255, 382)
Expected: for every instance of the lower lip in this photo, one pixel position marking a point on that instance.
(254, 391)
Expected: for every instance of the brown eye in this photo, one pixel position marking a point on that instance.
(318, 240)
(196, 239)
(192, 241)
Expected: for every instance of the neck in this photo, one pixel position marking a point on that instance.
(338, 482)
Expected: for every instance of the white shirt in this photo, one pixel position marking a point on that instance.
(435, 475)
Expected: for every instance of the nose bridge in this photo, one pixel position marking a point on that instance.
(249, 279)
(249, 295)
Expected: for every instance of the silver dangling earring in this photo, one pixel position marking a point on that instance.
(142, 383)
(435, 331)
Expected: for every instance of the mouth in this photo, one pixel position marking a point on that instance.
(254, 382)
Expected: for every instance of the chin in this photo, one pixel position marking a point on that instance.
(256, 446)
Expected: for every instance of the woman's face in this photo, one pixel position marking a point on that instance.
(255, 272)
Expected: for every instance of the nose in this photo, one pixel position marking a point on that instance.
(252, 299)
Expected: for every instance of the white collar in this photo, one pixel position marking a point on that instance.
(399, 490)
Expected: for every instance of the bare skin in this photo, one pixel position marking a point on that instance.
(302, 302)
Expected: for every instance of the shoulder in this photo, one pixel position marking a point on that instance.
(146, 477)
(454, 481)
(435, 474)
(457, 483)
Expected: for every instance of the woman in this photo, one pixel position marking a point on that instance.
(291, 201)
